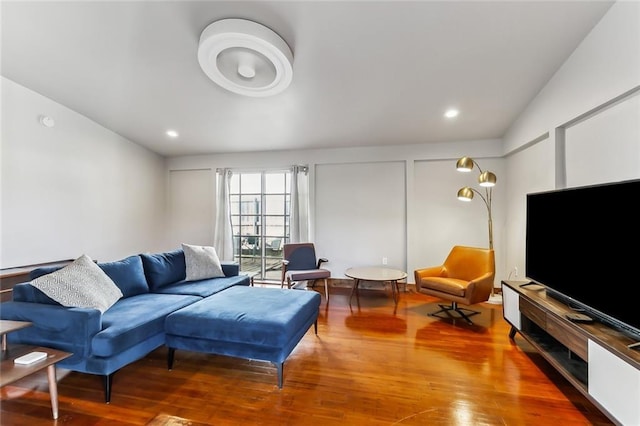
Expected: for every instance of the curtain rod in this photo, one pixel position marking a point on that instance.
(303, 168)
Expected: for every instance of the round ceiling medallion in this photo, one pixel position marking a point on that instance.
(245, 57)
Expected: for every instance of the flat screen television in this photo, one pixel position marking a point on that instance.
(583, 245)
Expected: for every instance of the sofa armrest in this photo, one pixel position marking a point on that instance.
(230, 269)
(54, 326)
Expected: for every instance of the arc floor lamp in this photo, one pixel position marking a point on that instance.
(487, 180)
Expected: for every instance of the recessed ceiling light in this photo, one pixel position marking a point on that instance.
(172, 133)
(451, 113)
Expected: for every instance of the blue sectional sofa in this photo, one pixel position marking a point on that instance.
(152, 285)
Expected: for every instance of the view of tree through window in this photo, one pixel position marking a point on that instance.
(260, 221)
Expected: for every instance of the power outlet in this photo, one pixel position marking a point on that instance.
(384, 260)
(513, 274)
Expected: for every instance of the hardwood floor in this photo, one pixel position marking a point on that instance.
(368, 365)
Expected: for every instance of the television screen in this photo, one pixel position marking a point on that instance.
(583, 245)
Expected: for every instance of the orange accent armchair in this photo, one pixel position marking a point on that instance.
(465, 277)
(300, 264)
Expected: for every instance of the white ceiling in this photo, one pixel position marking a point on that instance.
(366, 73)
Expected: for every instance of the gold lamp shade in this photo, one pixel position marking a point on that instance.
(464, 164)
(487, 179)
(465, 194)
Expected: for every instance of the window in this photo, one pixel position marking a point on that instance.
(260, 221)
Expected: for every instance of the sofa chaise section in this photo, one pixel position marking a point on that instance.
(246, 322)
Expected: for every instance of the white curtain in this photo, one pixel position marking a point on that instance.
(223, 237)
(299, 220)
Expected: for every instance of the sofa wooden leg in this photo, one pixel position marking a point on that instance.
(170, 356)
(280, 366)
(108, 381)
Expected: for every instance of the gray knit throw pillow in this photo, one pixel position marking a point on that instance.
(201, 262)
(81, 284)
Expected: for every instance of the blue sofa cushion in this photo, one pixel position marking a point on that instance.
(253, 315)
(135, 319)
(163, 268)
(38, 272)
(204, 288)
(25, 292)
(230, 268)
(128, 275)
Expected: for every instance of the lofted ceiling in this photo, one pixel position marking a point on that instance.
(365, 73)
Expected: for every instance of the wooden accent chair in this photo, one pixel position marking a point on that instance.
(300, 264)
(466, 277)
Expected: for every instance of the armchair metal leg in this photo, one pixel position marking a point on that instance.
(463, 312)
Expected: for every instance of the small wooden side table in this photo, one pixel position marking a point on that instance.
(7, 326)
(10, 372)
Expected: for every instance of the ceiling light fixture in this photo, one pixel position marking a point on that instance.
(451, 113)
(245, 57)
(172, 133)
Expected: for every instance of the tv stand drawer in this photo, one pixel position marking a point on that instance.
(533, 312)
(566, 333)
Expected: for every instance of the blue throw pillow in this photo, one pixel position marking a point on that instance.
(164, 268)
(38, 272)
(25, 292)
(127, 274)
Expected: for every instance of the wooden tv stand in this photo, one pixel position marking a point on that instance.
(593, 357)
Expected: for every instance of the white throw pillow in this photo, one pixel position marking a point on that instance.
(201, 262)
(81, 284)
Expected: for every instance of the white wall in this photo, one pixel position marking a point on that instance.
(605, 66)
(75, 188)
(191, 216)
(604, 146)
(360, 223)
(583, 128)
(380, 187)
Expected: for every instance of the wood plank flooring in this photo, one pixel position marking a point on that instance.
(372, 363)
